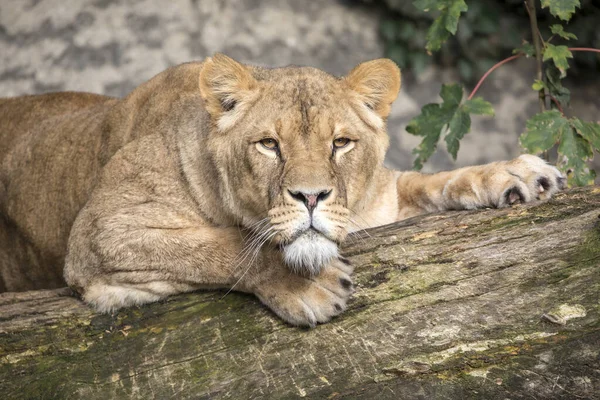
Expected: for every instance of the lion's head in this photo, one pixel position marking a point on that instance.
(297, 149)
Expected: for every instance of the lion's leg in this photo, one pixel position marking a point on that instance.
(497, 184)
(107, 297)
(21, 266)
(124, 259)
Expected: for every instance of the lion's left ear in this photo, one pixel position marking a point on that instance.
(378, 83)
(224, 83)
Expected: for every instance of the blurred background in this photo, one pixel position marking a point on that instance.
(111, 46)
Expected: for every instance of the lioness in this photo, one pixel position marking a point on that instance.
(219, 175)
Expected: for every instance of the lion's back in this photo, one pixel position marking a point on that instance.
(20, 115)
(48, 165)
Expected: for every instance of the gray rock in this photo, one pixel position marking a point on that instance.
(111, 46)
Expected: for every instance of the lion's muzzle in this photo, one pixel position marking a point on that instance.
(309, 253)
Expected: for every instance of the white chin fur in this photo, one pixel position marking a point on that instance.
(309, 253)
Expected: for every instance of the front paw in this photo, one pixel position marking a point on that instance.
(306, 301)
(529, 178)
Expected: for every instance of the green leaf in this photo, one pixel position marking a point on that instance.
(590, 131)
(575, 146)
(436, 35)
(575, 137)
(555, 87)
(425, 150)
(454, 9)
(526, 48)
(562, 9)
(560, 31)
(478, 106)
(429, 124)
(432, 119)
(583, 176)
(451, 116)
(559, 55)
(451, 94)
(445, 24)
(543, 131)
(538, 85)
(574, 152)
(459, 126)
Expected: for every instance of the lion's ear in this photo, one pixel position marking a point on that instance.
(378, 83)
(224, 83)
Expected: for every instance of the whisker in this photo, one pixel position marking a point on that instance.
(351, 221)
(249, 248)
(258, 225)
(260, 222)
(256, 241)
(358, 225)
(351, 238)
(252, 260)
(258, 248)
(365, 222)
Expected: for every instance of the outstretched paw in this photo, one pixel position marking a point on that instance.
(306, 301)
(530, 178)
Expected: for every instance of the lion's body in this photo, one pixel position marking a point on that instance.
(44, 139)
(53, 148)
(175, 187)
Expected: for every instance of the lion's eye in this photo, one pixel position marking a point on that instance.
(270, 144)
(340, 142)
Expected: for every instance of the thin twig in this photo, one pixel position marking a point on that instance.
(584, 49)
(489, 71)
(557, 104)
(498, 64)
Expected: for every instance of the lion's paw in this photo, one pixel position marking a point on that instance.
(306, 301)
(528, 178)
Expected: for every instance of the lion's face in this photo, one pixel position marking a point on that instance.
(298, 149)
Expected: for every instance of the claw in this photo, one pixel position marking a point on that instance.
(514, 195)
(346, 284)
(345, 260)
(543, 184)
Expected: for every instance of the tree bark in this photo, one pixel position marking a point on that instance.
(488, 304)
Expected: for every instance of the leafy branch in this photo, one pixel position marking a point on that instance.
(575, 140)
(452, 117)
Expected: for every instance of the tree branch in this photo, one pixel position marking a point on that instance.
(492, 304)
(537, 43)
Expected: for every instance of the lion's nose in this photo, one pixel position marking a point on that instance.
(310, 199)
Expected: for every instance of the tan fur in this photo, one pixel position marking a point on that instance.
(173, 189)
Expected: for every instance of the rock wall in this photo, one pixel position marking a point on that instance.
(111, 46)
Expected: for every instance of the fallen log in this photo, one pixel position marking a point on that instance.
(476, 304)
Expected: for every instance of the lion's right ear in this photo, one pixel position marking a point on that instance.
(377, 82)
(224, 83)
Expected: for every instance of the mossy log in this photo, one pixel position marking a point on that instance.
(488, 304)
